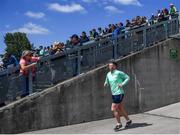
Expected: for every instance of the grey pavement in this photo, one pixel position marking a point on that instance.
(165, 120)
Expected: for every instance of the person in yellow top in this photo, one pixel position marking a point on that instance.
(116, 79)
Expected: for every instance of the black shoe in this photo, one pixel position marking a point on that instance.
(117, 127)
(128, 123)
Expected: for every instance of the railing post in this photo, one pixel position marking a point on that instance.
(144, 37)
(79, 62)
(177, 25)
(30, 82)
(115, 48)
(94, 56)
(166, 30)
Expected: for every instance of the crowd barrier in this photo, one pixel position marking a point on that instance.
(59, 67)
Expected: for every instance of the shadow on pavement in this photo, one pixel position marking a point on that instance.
(135, 125)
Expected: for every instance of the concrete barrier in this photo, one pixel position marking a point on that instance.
(154, 83)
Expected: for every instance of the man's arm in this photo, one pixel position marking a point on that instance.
(106, 83)
(126, 79)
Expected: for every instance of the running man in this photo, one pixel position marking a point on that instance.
(116, 80)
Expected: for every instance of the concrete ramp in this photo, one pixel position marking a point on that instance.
(165, 120)
(154, 83)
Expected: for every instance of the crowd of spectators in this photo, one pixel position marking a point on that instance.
(115, 29)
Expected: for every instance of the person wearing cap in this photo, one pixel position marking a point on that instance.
(25, 66)
(172, 10)
(84, 38)
(75, 41)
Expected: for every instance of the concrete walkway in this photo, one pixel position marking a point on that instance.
(165, 120)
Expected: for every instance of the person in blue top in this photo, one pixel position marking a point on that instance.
(9, 60)
(117, 31)
(116, 80)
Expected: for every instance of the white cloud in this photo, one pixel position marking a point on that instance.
(31, 28)
(36, 15)
(89, 1)
(66, 8)
(128, 2)
(123, 2)
(112, 9)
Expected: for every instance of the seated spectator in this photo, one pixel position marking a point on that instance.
(58, 47)
(75, 41)
(106, 31)
(128, 23)
(165, 12)
(133, 22)
(144, 20)
(41, 51)
(84, 38)
(138, 21)
(160, 15)
(117, 30)
(172, 10)
(95, 34)
(100, 32)
(91, 37)
(48, 51)
(152, 19)
(10, 60)
(112, 28)
(109, 29)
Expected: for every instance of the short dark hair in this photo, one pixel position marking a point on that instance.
(113, 62)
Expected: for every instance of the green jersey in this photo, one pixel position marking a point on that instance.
(114, 78)
(173, 10)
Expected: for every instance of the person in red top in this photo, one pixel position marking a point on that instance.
(34, 60)
(25, 66)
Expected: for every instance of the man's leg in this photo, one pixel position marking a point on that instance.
(122, 111)
(115, 111)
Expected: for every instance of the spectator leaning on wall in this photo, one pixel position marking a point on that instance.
(25, 66)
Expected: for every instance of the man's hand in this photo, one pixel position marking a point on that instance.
(120, 85)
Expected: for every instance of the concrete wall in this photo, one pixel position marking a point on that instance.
(84, 98)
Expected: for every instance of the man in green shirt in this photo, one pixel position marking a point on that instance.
(116, 80)
(172, 10)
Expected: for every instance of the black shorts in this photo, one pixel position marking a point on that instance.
(117, 99)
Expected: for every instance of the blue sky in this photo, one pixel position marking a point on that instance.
(46, 21)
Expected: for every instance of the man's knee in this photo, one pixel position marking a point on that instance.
(120, 107)
(114, 108)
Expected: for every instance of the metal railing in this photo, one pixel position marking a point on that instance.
(59, 67)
